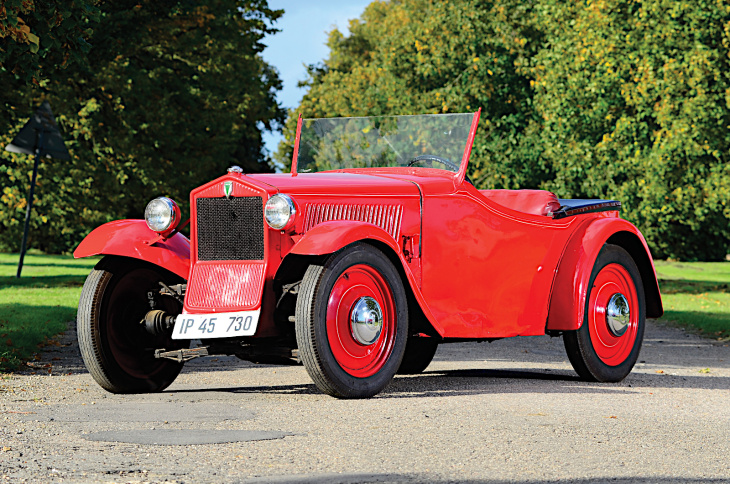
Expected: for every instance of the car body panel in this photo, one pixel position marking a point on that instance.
(567, 304)
(487, 269)
(132, 238)
(329, 237)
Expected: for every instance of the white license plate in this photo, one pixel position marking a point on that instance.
(217, 325)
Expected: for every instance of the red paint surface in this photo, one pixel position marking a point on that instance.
(461, 176)
(386, 216)
(535, 202)
(329, 237)
(236, 286)
(485, 267)
(355, 358)
(131, 238)
(612, 279)
(225, 286)
(570, 289)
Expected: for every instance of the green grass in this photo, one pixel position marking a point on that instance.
(696, 295)
(36, 307)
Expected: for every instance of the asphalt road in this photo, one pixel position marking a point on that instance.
(511, 411)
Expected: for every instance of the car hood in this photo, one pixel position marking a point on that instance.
(334, 183)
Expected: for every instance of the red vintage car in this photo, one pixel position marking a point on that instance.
(374, 250)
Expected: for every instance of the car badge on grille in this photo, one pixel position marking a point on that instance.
(228, 189)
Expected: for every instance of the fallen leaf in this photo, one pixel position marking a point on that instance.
(660, 371)
(705, 370)
(7, 449)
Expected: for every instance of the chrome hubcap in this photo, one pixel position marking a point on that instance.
(366, 321)
(618, 314)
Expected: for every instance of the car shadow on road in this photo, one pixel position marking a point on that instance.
(490, 381)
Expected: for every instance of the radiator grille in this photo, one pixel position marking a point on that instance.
(230, 229)
(225, 285)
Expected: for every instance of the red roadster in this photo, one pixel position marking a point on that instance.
(374, 250)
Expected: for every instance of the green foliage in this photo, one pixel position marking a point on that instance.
(597, 99)
(635, 106)
(38, 38)
(172, 95)
(422, 56)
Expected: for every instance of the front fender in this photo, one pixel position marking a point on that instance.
(570, 285)
(131, 238)
(329, 237)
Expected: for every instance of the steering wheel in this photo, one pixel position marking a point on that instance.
(431, 159)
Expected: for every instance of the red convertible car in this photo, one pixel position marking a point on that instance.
(374, 250)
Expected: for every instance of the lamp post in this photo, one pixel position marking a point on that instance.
(40, 137)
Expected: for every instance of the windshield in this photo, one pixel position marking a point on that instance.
(426, 141)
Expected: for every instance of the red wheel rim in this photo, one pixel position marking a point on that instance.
(355, 283)
(611, 349)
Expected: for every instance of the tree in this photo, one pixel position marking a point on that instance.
(38, 37)
(634, 106)
(174, 93)
(597, 99)
(424, 56)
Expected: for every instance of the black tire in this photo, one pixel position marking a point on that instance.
(418, 355)
(115, 347)
(336, 366)
(596, 353)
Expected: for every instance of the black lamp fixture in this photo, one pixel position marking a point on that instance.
(40, 137)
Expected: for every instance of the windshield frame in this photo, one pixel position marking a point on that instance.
(459, 176)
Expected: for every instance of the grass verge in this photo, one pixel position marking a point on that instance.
(696, 295)
(36, 307)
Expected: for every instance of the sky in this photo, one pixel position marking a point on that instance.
(301, 41)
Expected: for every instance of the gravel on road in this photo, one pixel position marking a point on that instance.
(508, 411)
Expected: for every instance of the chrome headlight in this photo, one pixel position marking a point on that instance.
(162, 215)
(279, 211)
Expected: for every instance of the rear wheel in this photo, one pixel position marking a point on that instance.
(116, 348)
(352, 322)
(418, 355)
(606, 346)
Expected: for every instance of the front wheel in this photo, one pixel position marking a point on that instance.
(352, 322)
(115, 347)
(606, 346)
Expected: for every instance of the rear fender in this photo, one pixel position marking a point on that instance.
(132, 238)
(570, 285)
